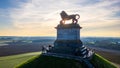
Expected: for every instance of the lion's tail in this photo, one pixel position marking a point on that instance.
(78, 16)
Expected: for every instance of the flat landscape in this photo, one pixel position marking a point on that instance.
(18, 51)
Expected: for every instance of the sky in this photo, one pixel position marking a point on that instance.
(99, 18)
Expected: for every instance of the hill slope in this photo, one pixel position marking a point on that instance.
(100, 62)
(42, 61)
(13, 60)
(50, 62)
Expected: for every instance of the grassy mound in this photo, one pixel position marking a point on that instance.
(35, 60)
(54, 62)
(100, 62)
(50, 62)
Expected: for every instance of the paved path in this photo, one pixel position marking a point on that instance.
(85, 61)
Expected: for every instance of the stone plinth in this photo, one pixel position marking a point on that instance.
(68, 38)
(68, 35)
(68, 32)
(68, 41)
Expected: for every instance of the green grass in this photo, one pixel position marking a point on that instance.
(35, 60)
(53, 62)
(50, 62)
(100, 62)
(12, 61)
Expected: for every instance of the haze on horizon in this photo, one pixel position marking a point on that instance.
(39, 17)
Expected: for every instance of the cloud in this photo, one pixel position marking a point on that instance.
(43, 14)
(5, 19)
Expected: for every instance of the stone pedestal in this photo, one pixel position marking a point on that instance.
(68, 35)
(68, 32)
(68, 39)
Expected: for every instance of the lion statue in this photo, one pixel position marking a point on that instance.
(65, 17)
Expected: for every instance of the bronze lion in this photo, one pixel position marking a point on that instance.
(65, 17)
